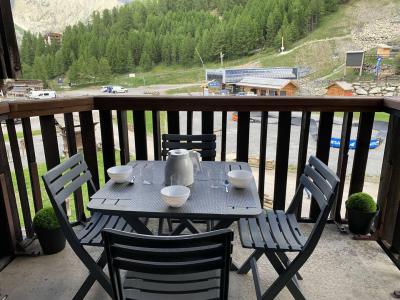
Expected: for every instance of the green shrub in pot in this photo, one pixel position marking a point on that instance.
(48, 230)
(361, 212)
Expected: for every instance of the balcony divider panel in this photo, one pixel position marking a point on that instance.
(263, 154)
(107, 140)
(207, 123)
(173, 122)
(32, 164)
(282, 160)
(365, 126)
(342, 163)
(89, 146)
(72, 149)
(19, 174)
(243, 135)
(302, 154)
(189, 122)
(156, 134)
(123, 136)
(223, 135)
(50, 144)
(139, 127)
(389, 187)
(323, 149)
(8, 195)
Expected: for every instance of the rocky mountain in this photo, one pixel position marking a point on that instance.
(54, 15)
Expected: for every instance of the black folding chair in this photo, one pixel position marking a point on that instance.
(60, 183)
(169, 267)
(275, 232)
(204, 144)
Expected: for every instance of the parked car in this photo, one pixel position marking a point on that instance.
(119, 89)
(42, 95)
(106, 88)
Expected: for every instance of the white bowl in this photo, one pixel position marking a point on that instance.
(175, 195)
(120, 174)
(240, 178)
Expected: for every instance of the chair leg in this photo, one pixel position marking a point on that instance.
(285, 279)
(256, 277)
(160, 226)
(245, 267)
(94, 275)
(85, 287)
(286, 261)
(169, 221)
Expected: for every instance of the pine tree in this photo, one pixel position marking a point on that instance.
(104, 70)
(145, 62)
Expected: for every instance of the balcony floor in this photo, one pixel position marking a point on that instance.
(340, 268)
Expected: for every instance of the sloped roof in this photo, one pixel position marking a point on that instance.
(343, 85)
(268, 83)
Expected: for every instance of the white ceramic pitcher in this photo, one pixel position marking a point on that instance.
(180, 167)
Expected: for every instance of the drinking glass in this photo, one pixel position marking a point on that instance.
(215, 177)
(146, 173)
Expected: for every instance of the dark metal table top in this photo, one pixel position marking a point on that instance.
(142, 200)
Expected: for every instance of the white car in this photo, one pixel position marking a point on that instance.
(42, 94)
(119, 89)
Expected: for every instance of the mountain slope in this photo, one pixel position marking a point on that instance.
(54, 15)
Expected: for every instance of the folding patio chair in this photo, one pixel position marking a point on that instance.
(204, 144)
(169, 267)
(60, 183)
(275, 232)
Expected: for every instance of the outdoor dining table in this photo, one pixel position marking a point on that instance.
(138, 201)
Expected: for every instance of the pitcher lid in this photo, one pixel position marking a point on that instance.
(178, 152)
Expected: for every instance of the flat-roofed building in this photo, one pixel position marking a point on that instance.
(268, 86)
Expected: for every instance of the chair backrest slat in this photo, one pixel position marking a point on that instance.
(325, 171)
(315, 191)
(319, 181)
(62, 181)
(163, 254)
(169, 255)
(205, 144)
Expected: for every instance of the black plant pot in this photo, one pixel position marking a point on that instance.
(51, 241)
(360, 222)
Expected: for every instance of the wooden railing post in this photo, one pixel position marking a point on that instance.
(19, 174)
(342, 163)
(282, 160)
(107, 140)
(243, 130)
(323, 149)
(361, 153)
(302, 155)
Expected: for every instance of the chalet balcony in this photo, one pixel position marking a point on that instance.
(276, 135)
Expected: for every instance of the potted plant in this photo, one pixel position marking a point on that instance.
(361, 212)
(48, 230)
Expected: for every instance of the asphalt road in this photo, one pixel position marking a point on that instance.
(374, 159)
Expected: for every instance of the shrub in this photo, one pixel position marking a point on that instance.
(361, 202)
(46, 219)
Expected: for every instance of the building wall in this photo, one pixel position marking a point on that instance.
(384, 52)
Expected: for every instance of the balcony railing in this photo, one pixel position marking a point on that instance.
(20, 188)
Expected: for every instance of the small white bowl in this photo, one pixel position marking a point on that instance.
(240, 178)
(120, 174)
(175, 195)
